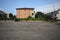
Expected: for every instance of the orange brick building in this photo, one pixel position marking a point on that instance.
(24, 12)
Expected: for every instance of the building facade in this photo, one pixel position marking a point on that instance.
(58, 15)
(3, 14)
(55, 14)
(24, 12)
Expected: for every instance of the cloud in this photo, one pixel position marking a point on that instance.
(57, 6)
(0, 8)
(3, 10)
(48, 8)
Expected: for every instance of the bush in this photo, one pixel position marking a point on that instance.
(17, 19)
(58, 20)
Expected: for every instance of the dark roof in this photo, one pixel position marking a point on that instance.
(58, 9)
(2, 12)
(24, 8)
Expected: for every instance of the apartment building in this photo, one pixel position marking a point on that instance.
(55, 14)
(2, 13)
(58, 15)
(24, 12)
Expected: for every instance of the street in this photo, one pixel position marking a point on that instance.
(29, 31)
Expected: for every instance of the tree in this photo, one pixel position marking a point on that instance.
(0, 16)
(39, 15)
(11, 16)
(14, 17)
(3, 16)
(43, 16)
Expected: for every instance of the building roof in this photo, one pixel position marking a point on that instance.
(3, 12)
(24, 8)
(58, 9)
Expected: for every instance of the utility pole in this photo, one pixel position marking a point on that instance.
(54, 13)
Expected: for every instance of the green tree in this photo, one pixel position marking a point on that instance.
(39, 15)
(47, 17)
(14, 17)
(11, 16)
(43, 16)
(0, 16)
(5, 17)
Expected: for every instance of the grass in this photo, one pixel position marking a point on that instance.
(58, 23)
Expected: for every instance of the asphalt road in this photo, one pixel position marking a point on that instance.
(29, 31)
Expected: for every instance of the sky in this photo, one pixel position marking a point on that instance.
(45, 6)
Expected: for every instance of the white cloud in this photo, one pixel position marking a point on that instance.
(3, 10)
(57, 6)
(0, 8)
(48, 8)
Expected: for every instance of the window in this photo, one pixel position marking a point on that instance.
(24, 9)
(25, 13)
(32, 13)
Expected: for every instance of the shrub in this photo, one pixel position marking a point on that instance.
(17, 19)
